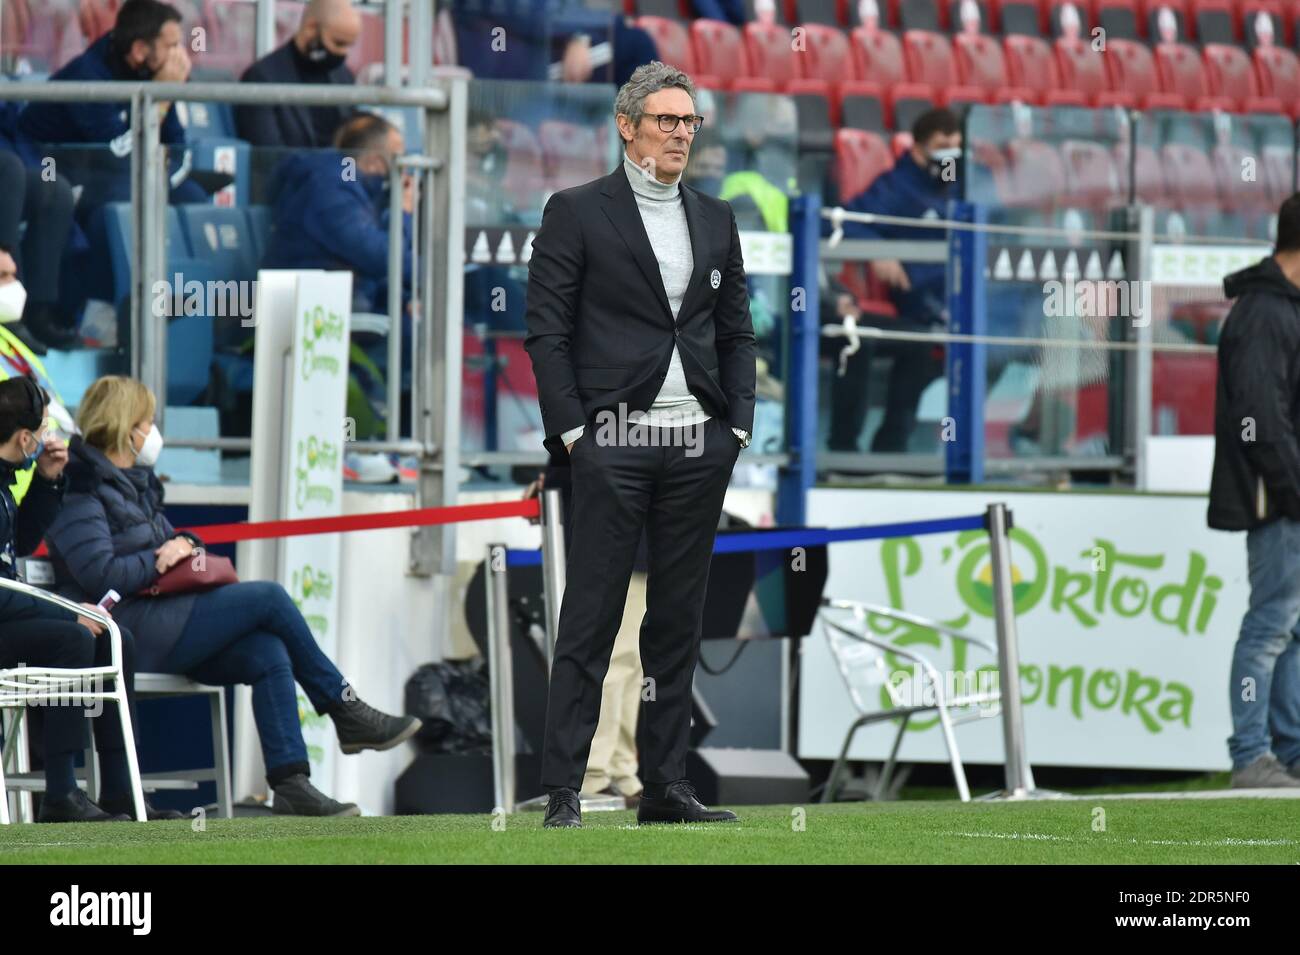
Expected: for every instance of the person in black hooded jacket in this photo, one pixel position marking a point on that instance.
(37, 633)
(1255, 487)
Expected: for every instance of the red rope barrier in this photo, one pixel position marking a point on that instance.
(420, 517)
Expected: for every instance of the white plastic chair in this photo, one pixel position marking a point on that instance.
(22, 686)
(860, 659)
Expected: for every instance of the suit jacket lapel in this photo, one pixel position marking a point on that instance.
(620, 207)
(697, 221)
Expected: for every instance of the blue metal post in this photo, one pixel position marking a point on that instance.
(801, 392)
(967, 363)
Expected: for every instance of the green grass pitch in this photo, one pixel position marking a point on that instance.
(1135, 831)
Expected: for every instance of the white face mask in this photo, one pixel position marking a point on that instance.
(152, 447)
(13, 297)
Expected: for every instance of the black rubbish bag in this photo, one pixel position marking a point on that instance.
(451, 699)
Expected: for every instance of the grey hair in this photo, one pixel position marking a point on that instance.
(647, 79)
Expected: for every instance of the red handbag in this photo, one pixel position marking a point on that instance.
(183, 578)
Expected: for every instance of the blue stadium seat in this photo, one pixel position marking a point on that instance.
(259, 226)
(112, 232)
(207, 120)
(222, 237)
(226, 155)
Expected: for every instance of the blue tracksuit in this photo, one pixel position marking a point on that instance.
(907, 190)
(99, 123)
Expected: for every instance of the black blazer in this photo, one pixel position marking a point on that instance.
(287, 126)
(600, 329)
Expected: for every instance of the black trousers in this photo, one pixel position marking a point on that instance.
(46, 207)
(40, 641)
(675, 494)
(914, 366)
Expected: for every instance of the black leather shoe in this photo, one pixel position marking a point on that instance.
(296, 796)
(44, 320)
(76, 807)
(563, 810)
(360, 726)
(151, 814)
(677, 802)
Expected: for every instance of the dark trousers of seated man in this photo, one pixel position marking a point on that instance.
(675, 494)
(39, 641)
(913, 365)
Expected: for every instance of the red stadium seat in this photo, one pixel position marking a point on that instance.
(1133, 75)
(1230, 74)
(525, 174)
(571, 153)
(719, 49)
(1165, 21)
(823, 12)
(861, 106)
(1189, 175)
(1181, 72)
(1215, 21)
(918, 15)
(754, 84)
(929, 58)
(906, 102)
(1090, 177)
(770, 52)
(1150, 177)
(1081, 68)
(979, 61)
(1263, 24)
(1034, 174)
(878, 57)
(1030, 63)
(1018, 17)
(1278, 71)
(672, 40)
(1237, 192)
(860, 157)
(826, 54)
(1119, 18)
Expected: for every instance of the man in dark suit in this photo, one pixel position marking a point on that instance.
(315, 54)
(643, 349)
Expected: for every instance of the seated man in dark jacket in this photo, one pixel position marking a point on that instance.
(1255, 487)
(40, 634)
(315, 54)
(919, 186)
(144, 44)
(330, 211)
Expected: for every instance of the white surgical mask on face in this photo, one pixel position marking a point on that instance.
(13, 298)
(152, 447)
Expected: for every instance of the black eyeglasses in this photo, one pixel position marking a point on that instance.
(668, 122)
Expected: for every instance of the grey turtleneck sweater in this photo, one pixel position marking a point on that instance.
(665, 224)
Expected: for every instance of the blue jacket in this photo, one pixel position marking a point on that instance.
(21, 531)
(99, 123)
(286, 126)
(104, 537)
(321, 221)
(910, 191)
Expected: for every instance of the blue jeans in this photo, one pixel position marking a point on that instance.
(1265, 691)
(253, 633)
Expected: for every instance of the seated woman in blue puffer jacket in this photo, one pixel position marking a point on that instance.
(112, 533)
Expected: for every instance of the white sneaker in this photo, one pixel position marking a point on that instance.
(368, 468)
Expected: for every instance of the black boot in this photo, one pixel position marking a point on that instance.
(677, 802)
(360, 726)
(563, 810)
(296, 796)
(151, 814)
(76, 807)
(45, 321)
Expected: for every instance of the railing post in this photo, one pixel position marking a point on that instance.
(553, 565)
(1019, 777)
(966, 362)
(500, 680)
(805, 329)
